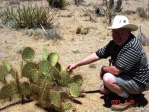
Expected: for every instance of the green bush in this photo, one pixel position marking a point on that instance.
(143, 13)
(57, 3)
(27, 16)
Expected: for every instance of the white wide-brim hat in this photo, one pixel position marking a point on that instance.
(120, 21)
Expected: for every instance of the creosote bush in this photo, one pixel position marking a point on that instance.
(143, 13)
(27, 16)
(57, 3)
(48, 82)
(110, 9)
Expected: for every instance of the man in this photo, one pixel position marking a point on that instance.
(129, 72)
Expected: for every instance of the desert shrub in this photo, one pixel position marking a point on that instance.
(57, 3)
(77, 2)
(129, 12)
(38, 33)
(14, 2)
(110, 9)
(143, 13)
(27, 16)
(143, 39)
(48, 82)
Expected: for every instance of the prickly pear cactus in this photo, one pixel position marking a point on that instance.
(53, 58)
(8, 91)
(68, 106)
(28, 67)
(45, 55)
(44, 67)
(77, 79)
(28, 54)
(74, 90)
(47, 81)
(55, 98)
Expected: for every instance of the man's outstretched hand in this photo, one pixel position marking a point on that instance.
(70, 67)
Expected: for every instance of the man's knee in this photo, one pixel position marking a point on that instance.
(108, 78)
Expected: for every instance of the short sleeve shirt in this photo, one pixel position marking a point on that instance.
(130, 58)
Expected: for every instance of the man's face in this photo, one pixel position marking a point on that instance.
(120, 36)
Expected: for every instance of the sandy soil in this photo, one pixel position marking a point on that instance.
(71, 48)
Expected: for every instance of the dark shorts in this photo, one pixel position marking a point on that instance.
(129, 85)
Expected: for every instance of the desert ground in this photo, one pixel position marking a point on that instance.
(71, 48)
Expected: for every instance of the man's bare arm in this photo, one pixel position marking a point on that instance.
(89, 59)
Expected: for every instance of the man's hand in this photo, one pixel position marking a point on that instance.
(110, 69)
(71, 67)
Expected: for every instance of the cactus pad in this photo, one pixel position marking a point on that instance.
(28, 67)
(45, 55)
(44, 67)
(77, 79)
(74, 90)
(3, 73)
(65, 78)
(53, 58)
(7, 65)
(63, 95)
(24, 88)
(34, 76)
(28, 54)
(8, 91)
(68, 106)
(55, 98)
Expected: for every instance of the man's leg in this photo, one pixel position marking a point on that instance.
(103, 90)
(110, 82)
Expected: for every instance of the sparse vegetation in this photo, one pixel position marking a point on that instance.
(144, 39)
(57, 3)
(110, 9)
(27, 16)
(143, 13)
(77, 2)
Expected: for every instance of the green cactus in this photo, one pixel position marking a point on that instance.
(7, 65)
(8, 91)
(68, 106)
(64, 95)
(35, 91)
(28, 67)
(45, 55)
(3, 73)
(47, 82)
(44, 103)
(53, 58)
(28, 54)
(74, 90)
(65, 78)
(57, 3)
(34, 76)
(77, 79)
(58, 66)
(55, 99)
(54, 73)
(24, 89)
(44, 67)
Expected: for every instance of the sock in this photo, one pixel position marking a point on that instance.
(124, 95)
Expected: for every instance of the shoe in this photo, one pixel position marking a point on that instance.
(140, 100)
(121, 106)
(124, 104)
